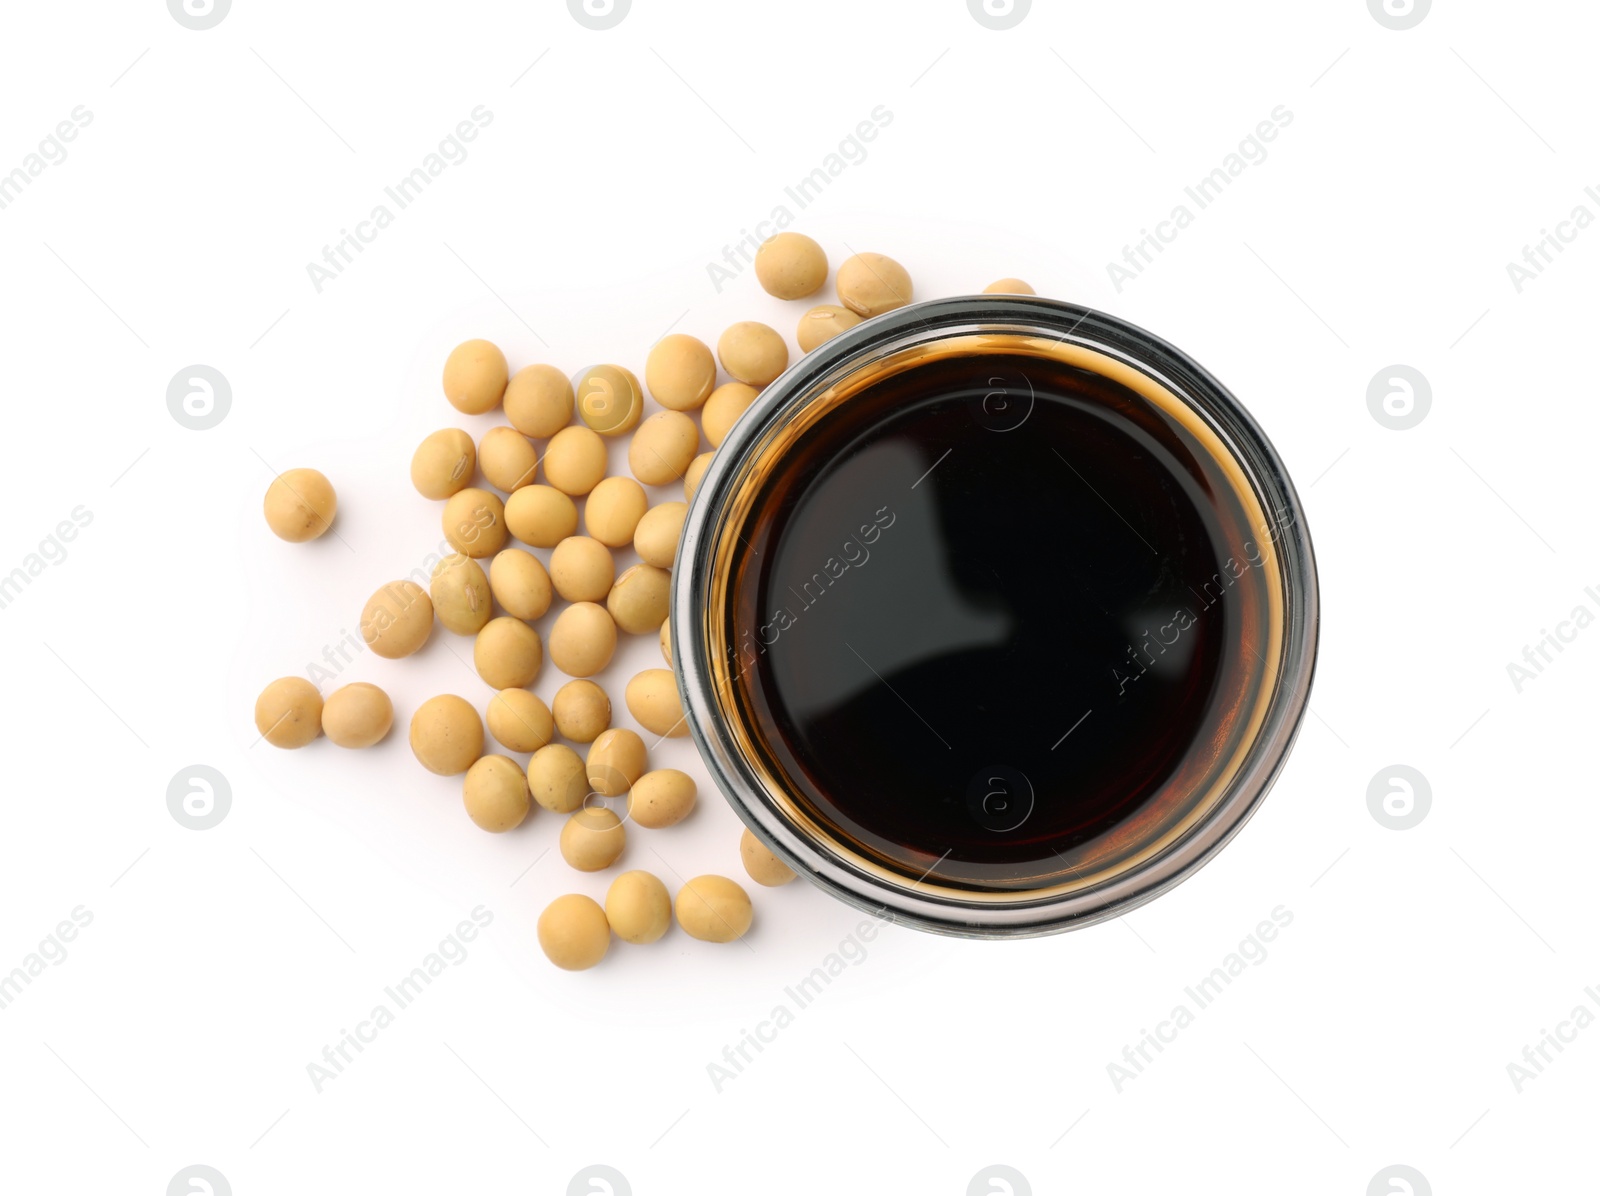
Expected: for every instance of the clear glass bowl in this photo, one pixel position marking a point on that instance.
(1198, 810)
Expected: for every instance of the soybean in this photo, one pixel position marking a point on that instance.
(581, 710)
(507, 653)
(575, 461)
(495, 793)
(289, 713)
(609, 399)
(475, 376)
(870, 284)
(397, 619)
(696, 471)
(613, 510)
(638, 907)
(640, 599)
(713, 909)
(662, 798)
(583, 640)
(446, 735)
(474, 522)
(573, 932)
(357, 715)
(663, 447)
(726, 404)
(507, 458)
(680, 372)
(823, 324)
(299, 505)
(520, 584)
(656, 537)
(593, 839)
(556, 778)
(538, 401)
(520, 720)
(753, 352)
(616, 760)
(652, 698)
(791, 266)
(443, 463)
(581, 569)
(541, 515)
(460, 593)
(764, 867)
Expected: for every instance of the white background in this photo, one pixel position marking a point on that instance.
(218, 964)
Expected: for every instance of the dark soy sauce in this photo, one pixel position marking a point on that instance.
(985, 614)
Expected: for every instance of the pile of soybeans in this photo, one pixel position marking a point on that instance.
(571, 419)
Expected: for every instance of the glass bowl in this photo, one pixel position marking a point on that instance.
(1217, 781)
